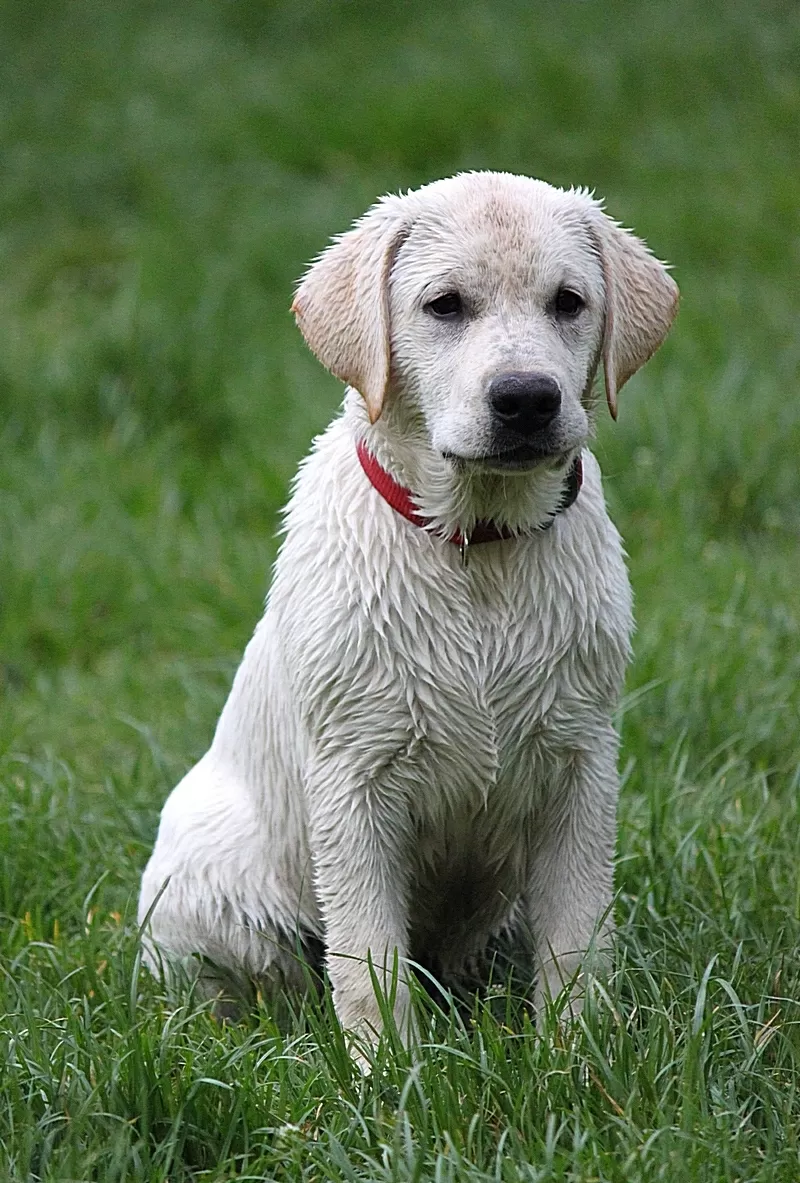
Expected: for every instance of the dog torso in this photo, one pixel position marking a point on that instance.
(480, 684)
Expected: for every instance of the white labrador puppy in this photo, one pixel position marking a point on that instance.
(418, 750)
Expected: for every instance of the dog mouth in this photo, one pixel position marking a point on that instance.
(520, 459)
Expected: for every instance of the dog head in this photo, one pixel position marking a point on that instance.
(484, 304)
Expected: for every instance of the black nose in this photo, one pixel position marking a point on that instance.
(525, 403)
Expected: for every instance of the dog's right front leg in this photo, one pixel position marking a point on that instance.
(359, 841)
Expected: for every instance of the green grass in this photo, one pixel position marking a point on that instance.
(167, 172)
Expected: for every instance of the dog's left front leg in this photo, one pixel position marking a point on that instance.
(570, 891)
(359, 836)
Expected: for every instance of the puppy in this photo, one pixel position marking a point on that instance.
(418, 748)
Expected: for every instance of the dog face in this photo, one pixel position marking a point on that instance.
(483, 305)
(496, 308)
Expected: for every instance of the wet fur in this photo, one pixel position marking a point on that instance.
(413, 754)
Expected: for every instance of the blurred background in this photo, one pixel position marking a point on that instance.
(169, 170)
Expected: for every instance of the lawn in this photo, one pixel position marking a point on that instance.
(168, 171)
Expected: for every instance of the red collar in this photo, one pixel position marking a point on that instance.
(400, 498)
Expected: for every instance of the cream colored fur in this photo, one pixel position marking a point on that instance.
(415, 754)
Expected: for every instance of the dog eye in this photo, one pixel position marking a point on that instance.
(568, 303)
(447, 306)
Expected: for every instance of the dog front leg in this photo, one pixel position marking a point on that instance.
(359, 847)
(571, 886)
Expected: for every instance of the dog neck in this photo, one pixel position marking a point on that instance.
(450, 499)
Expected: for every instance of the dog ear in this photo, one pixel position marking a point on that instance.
(342, 303)
(641, 303)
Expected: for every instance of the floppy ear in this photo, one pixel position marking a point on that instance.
(641, 303)
(342, 304)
